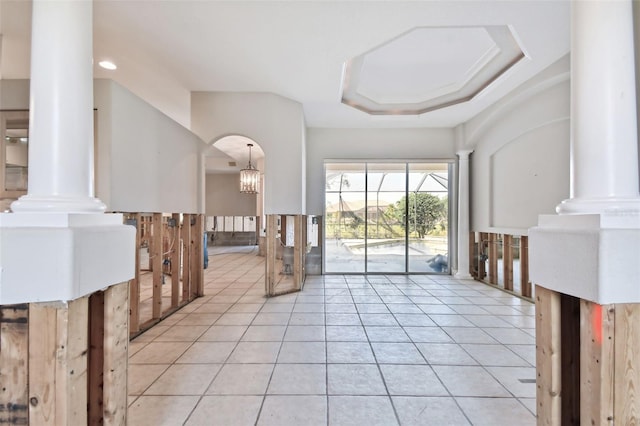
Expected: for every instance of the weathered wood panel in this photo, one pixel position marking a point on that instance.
(73, 324)
(186, 258)
(134, 286)
(14, 350)
(299, 248)
(627, 364)
(175, 261)
(597, 325)
(507, 262)
(116, 354)
(156, 265)
(58, 343)
(570, 359)
(525, 284)
(96, 358)
(548, 357)
(270, 260)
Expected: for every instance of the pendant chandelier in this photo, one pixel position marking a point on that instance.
(249, 177)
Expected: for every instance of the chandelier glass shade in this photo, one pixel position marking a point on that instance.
(249, 177)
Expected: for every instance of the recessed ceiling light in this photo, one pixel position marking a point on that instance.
(107, 65)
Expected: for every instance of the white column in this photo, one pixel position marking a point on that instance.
(463, 215)
(591, 249)
(61, 110)
(604, 144)
(85, 250)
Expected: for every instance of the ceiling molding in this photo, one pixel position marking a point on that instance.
(429, 68)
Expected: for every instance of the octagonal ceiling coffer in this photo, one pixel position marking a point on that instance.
(428, 68)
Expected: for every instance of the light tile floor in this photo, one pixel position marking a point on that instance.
(347, 350)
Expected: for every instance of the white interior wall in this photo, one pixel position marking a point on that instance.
(525, 180)
(14, 94)
(146, 162)
(369, 144)
(223, 197)
(160, 89)
(16, 154)
(520, 164)
(636, 28)
(273, 122)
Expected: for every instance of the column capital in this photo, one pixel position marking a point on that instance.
(464, 153)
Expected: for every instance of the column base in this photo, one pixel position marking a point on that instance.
(60, 256)
(462, 276)
(43, 204)
(609, 206)
(592, 256)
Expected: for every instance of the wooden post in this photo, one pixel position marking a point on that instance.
(95, 362)
(548, 357)
(270, 261)
(197, 257)
(472, 260)
(627, 372)
(156, 262)
(14, 350)
(116, 354)
(257, 229)
(134, 284)
(597, 344)
(299, 247)
(507, 261)
(58, 341)
(305, 240)
(482, 250)
(145, 238)
(175, 261)
(570, 359)
(283, 229)
(186, 257)
(525, 284)
(493, 258)
(193, 256)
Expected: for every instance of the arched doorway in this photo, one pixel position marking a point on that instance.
(233, 218)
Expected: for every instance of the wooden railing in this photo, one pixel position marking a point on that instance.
(501, 260)
(169, 266)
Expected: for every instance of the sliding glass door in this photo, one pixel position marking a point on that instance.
(344, 248)
(428, 217)
(387, 217)
(386, 233)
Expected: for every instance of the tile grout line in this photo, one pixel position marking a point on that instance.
(275, 363)
(326, 352)
(384, 381)
(222, 364)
